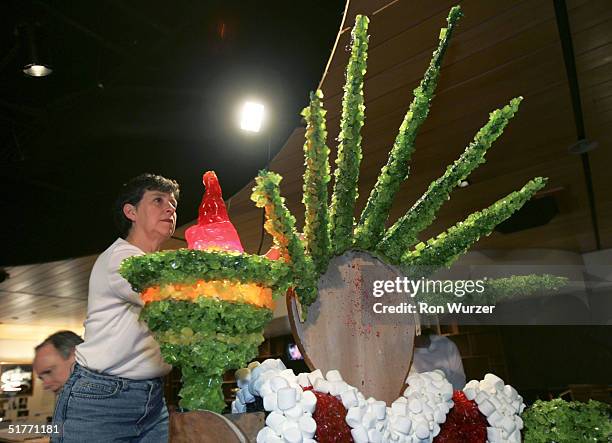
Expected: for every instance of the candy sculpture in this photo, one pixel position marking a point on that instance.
(207, 306)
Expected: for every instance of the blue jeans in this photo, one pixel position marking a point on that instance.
(101, 408)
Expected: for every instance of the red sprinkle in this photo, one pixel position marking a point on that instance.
(464, 423)
(330, 416)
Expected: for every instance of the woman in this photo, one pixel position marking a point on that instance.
(115, 392)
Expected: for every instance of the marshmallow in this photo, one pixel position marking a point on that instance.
(435, 429)
(293, 436)
(421, 430)
(264, 434)
(252, 365)
(321, 385)
(439, 416)
(337, 387)
(275, 421)
(269, 402)
(494, 435)
(415, 406)
(495, 419)
(353, 416)
(303, 381)
(486, 407)
(480, 397)
(470, 393)
(333, 375)
(286, 398)
(368, 420)
(309, 401)
(308, 426)
(295, 412)
(349, 398)
(380, 409)
(375, 436)
(314, 375)
(399, 408)
(508, 425)
(277, 383)
(403, 424)
(360, 435)
(289, 424)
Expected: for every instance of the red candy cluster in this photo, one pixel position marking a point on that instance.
(464, 423)
(330, 416)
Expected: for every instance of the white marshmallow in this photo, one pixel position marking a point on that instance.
(337, 387)
(368, 420)
(264, 434)
(277, 383)
(314, 375)
(415, 406)
(470, 393)
(399, 408)
(303, 381)
(403, 424)
(275, 421)
(435, 430)
(486, 407)
(333, 375)
(380, 409)
(421, 430)
(286, 398)
(439, 416)
(353, 416)
(293, 436)
(321, 385)
(508, 425)
(295, 412)
(480, 397)
(360, 435)
(494, 435)
(309, 401)
(269, 402)
(308, 426)
(495, 419)
(375, 436)
(349, 398)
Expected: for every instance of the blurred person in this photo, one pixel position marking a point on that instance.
(54, 359)
(432, 351)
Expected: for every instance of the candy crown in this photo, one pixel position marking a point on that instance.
(212, 209)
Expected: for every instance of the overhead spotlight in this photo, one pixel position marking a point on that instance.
(36, 63)
(251, 116)
(464, 183)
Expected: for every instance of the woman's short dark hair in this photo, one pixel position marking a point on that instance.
(132, 192)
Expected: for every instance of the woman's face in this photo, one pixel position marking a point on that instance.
(155, 214)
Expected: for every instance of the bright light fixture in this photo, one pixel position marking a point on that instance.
(252, 116)
(37, 70)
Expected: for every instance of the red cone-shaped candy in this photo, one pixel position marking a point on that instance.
(214, 229)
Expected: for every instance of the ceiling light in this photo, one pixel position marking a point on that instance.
(251, 117)
(35, 60)
(36, 70)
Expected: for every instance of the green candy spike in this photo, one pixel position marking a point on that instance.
(439, 252)
(371, 226)
(349, 148)
(403, 234)
(316, 178)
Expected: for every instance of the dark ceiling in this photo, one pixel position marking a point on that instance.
(142, 86)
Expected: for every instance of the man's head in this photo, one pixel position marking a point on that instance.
(131, 196)
(54, 359)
